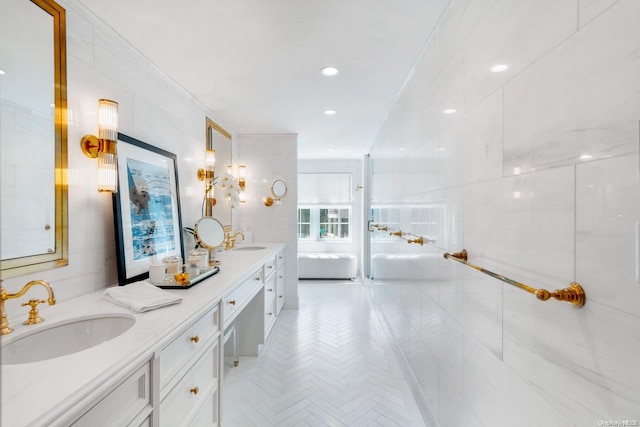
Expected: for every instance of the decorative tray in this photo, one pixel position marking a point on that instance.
(173, 285)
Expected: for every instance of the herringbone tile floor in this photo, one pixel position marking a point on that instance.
(327, 364)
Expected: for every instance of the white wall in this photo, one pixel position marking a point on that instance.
(152, 108)
(270, 157)
(511, 171)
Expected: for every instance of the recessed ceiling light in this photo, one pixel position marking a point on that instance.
(330, 71)
(332, 149)
(2, 71)
(441, 149)
(498, 68)
(330, 112)
(449, 111)
(402, 148)
(586, 157)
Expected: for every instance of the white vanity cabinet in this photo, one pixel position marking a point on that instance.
(270, 290)
(128, 404)
(280, 280)
(189, 374)
(166, 370)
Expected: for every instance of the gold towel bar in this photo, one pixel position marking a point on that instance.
(573, 294)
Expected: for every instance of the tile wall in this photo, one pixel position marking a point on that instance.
(267, 158)
(537, 175)
(154, 109)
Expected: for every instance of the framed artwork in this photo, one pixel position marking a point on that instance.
(146, 209)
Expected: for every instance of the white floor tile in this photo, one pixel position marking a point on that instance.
(327, 364)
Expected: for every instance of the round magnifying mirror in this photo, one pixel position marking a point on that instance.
(209, 232)
(279, 188)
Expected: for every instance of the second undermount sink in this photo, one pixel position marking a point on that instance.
(250, 248)
(63, 338)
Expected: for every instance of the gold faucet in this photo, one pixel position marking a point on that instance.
(230, 240)
(33, 314)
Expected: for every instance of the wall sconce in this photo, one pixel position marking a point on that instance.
(103, 146)
(208, 175)
(242, 182)
(278, 191)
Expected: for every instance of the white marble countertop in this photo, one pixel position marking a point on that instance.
(44, 393)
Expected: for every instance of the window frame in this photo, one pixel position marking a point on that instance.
(314, 216)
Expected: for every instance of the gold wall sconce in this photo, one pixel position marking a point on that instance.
(278, 191)
(242, 183)
(103, 147)
(208, 175)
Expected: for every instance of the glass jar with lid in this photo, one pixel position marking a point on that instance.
(202, 255)
(173, 265)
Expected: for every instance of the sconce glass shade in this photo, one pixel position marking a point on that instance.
(242, 172)
(103, 147)
(107, 172)
(107, 119)
(210, 160)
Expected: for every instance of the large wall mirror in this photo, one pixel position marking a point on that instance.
(219, 140)
(33, 137)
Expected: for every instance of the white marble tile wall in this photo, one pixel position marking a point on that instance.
(152, 108)
(537, 174)
(270, 157)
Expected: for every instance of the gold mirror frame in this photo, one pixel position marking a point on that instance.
(58, 257)
(221, 166)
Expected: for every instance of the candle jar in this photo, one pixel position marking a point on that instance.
(173, 265)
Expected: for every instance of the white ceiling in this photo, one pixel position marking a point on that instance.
(256, 64)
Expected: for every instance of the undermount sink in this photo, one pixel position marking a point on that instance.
(250, 248)
(63, 338)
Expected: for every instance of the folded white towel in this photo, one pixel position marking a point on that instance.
(140, 296)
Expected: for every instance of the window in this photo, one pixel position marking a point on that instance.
(324, 223)
(324, 206)
(334, 223)
(304, 223)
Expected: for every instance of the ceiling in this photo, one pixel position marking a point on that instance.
(256, 64)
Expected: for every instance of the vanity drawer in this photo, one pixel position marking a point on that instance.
(192, 391)
(123, 404)
(233, 303)
(280, 285)
(280, 259)
(269, 312)
(207, 416)
(177, 353)
(269, 303)
(269, 268)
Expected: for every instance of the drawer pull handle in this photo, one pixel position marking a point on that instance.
(280, 277)
(195, 339)
(257, 279)
(270, 290)
(270, 313)
(279, 296)
(194, 390)
(270, 266)
(232, 302)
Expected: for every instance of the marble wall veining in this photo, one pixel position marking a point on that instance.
(537, 175)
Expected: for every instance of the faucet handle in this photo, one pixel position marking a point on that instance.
(34, 317)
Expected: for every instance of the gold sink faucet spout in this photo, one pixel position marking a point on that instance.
(33, 314)
(230, 240)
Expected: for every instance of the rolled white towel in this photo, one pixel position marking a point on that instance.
(140, 296)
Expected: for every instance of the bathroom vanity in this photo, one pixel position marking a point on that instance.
(166, 369)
